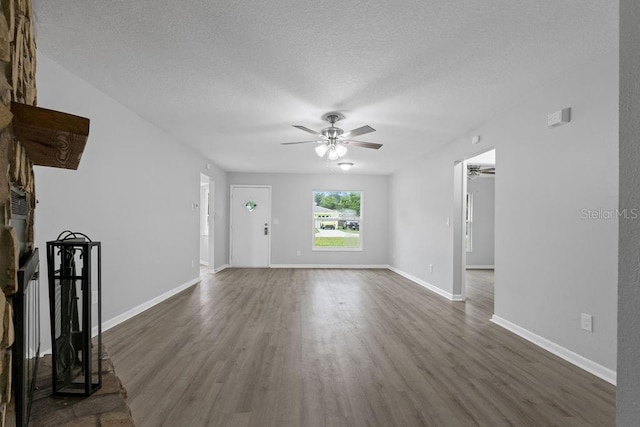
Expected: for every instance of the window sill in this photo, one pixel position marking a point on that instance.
(336, 249)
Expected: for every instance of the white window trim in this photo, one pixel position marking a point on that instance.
(313, 224)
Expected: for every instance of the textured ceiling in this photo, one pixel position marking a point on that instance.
(230, 77)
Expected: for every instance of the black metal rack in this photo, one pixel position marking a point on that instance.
(72, 294)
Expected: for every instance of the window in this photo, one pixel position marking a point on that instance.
(337, 220)
(468, 220)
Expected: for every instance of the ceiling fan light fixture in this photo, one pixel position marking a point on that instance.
(345, 166)
(321, 150)
(332, 141)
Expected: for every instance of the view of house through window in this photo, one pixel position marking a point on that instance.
(337, 217)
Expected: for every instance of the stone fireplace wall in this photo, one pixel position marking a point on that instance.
(17, 83)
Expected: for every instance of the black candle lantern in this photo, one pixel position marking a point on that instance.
(74, 265)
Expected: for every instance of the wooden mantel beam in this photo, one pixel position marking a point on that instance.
(50, 138)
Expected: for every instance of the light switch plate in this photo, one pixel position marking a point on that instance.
(558, 118)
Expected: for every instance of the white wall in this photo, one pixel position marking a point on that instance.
(291, 205)
(421, 204)
(133, 192)
(482, 234)
(628, 409)
(551, 265)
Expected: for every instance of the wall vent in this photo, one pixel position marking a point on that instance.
(19, 207)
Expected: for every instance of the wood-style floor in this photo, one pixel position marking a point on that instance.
(297, 347)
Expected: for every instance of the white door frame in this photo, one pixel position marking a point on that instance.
(232, 188)
(207, 214)
(459, 225)
(211, 219)
(459, 253)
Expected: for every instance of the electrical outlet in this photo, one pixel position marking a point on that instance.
(586, 322)
(430, 268)
(193, 263)
(298, 253)
(94, 297)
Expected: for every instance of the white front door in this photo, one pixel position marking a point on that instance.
(250, 226)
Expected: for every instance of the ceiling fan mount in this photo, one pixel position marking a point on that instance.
(334, 140)
(332, 117)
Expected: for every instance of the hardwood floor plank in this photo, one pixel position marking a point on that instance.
(327, 347)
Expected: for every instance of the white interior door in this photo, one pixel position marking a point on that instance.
(250, 226)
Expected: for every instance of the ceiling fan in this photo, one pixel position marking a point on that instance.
(333, 141)
(474, 171)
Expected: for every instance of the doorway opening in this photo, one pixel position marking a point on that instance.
(206, 229)
(474, 228)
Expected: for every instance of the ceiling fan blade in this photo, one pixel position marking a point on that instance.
(311, 131)
(363, 144)
(359, 131)
(488, 169)
(487, 172)
(298, 142)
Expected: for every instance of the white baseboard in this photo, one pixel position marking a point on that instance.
(146, 305)
(432, 288)
(481, 267)
(580, 361)
(347, 266)
(219, 269)
(106, 325)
